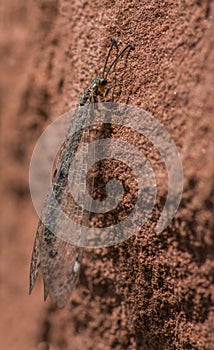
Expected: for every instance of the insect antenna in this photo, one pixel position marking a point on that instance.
(129, 46)
(113, 43)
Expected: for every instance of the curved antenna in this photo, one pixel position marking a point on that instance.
(131, 46)
(113, 43)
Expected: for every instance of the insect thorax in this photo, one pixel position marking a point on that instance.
(97, 88)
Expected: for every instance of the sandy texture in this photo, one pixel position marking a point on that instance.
(154, 291)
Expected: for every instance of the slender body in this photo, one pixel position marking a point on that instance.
(58, 260)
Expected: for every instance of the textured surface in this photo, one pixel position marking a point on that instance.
(154, 291)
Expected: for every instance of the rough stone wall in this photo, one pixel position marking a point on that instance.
(152, 291)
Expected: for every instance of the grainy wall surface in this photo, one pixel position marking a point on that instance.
(155, 291)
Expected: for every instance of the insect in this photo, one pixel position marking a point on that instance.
(58, 260)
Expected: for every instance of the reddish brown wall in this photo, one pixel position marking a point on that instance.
(153, 291)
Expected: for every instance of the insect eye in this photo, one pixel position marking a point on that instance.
(103, 82)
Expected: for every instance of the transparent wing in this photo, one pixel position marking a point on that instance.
(59, 260)
(60, 266)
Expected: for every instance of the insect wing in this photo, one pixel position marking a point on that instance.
(60, 269)
(58, 259)
(36, 257)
